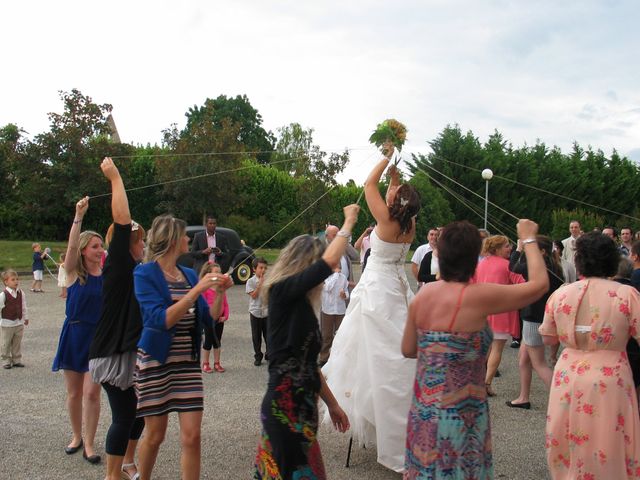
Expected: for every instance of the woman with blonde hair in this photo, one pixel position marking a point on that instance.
(289, 446)
(366, 370)
(84, 301)
(168, 375)
(496, 251)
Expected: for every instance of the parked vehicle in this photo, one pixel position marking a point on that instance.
(239, 257)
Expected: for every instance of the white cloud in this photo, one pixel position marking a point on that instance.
(555, 71)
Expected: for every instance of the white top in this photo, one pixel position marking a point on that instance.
(332, 303)
(256, 308)
(13, 323)
(420, 252)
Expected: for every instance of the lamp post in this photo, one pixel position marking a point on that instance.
(487, 175)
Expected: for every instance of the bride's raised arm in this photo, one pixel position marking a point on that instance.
(376, 203)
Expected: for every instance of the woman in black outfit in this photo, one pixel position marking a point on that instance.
(289, 447)
(112, 356)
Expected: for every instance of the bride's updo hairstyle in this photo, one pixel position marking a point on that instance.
(299, 253)
(405, 206)
(459, 245)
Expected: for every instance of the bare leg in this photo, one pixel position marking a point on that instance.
(155, 428)
(91, 412)
(536, 354)
(216, 355)
(495, 357)
(190, 425)
(73, 382)
(524, 367)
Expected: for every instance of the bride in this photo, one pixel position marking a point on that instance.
(366, 371)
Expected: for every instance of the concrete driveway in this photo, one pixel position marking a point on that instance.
(34, 426)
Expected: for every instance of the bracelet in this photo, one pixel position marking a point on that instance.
(529, 240)
(343, 233)
(76, 221)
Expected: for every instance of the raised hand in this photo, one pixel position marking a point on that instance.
(109, 169)
(81, 207)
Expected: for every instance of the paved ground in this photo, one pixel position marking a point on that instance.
(34, 427)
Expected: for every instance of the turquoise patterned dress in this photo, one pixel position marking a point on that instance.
(448, 432)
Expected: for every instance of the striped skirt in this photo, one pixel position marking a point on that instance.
(173, 386)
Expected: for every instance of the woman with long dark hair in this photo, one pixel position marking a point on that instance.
(531, 356)
(366, 371)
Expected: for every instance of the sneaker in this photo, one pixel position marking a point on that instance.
(515, 344)
(8, 366)
(257, 362)
(218, 368)
(206, 368)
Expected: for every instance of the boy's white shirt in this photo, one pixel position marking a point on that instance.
(14, 293)
(332, 303)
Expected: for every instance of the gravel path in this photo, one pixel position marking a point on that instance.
(34, 426)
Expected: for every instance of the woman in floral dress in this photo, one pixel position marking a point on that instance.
(593, 430)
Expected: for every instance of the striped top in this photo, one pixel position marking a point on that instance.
(176, 385)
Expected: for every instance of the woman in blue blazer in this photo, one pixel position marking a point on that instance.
(168, 375)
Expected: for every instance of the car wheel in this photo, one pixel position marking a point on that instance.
(241, 273)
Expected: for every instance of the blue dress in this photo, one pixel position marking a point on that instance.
(84, 305)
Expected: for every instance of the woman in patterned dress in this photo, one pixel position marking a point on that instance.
(289, 448)
(448, 431)
(168, 375)
(593, 430)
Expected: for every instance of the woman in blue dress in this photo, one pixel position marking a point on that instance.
(84, 302)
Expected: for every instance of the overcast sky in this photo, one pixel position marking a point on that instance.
(555, 71)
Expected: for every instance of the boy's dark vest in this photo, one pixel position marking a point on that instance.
(12, 306)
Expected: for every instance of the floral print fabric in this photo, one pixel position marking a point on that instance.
(593, 427)
(289, 448)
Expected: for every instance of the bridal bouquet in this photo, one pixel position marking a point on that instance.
(391, 130)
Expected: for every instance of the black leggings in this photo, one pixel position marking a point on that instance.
(124, 424)
(213, 336)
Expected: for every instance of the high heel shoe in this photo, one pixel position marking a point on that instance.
(72, 450)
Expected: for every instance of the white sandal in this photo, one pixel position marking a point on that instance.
(125, 476)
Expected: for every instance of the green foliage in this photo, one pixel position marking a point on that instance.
(562, 218)
(435, 210)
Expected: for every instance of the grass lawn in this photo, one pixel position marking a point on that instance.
(270, 254)
(17, 254)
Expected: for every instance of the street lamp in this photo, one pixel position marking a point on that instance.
(487, 175)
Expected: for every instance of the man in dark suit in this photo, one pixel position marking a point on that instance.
(207, 246)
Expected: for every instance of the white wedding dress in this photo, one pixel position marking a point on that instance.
(366, 371)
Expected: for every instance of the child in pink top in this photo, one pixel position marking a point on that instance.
(212, 336)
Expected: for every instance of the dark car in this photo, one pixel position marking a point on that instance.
(239, 256)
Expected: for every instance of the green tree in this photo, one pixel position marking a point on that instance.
(238, 114)
(301, 158)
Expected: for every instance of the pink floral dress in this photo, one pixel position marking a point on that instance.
(593, 428)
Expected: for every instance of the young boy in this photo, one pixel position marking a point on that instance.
(335, 292)
(257, 311)
(38, 267)
(13, 318)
